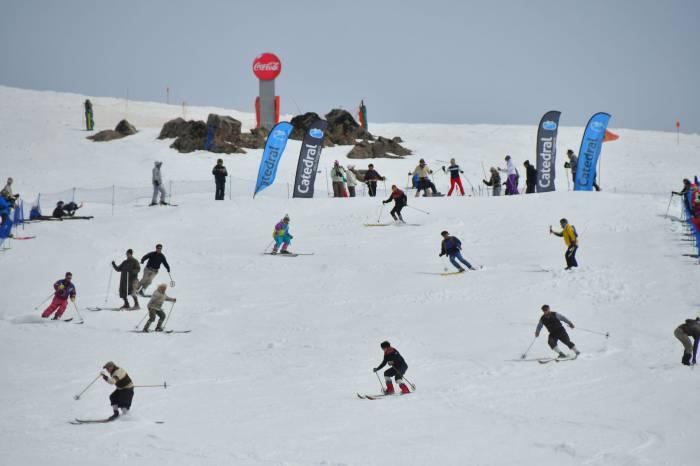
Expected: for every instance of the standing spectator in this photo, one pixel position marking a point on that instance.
(5, 221)
(89, 120)
(571, 164)
(64, 289)
(352, 180)
(157, 181)
(371, 177)
(220, 174)
(339, 178)
(455, 180)
(494, 181)
(530, 177)
(512, 177)
(7, 193)
(424, 182)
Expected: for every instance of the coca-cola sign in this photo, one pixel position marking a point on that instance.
(267, 66)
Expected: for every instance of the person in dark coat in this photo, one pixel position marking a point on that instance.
(398, 368)
(220, 175)
(89, 118)
(400, 201)
(128, 281)
(552, 321)
(530, 178)
(494, 181)
(371, 178)
(155, 260)
(690, 328)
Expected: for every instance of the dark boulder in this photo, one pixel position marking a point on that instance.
(124, 128)
(254, 140)
(343, 129)
(381, 148)
(193, 138)
(174, 128)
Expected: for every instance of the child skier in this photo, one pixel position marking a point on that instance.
(64, 289)
(281, 236)
(398, 368)
(400, 201)
(451, 246)
(124, 393)
(570, 236)
(155, 307)
(557, 332)
(455, 180)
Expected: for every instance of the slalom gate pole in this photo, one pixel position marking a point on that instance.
(419, 210)
(109, 282)
(169, 314)
(605, 334)
(144, 318)
(172, 282)
(162, 385)
(36, 308)
(380, 382)
(669, 205)
(524, 355)
(75, 306)
(77, 397)
(381, 210)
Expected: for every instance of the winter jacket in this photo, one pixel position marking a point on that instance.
(352, 179)
(553, 322)
(157, 300)
(372, 175)
(531, 175)
(573, 163)
(156, 178)
(219, 173)
(510, 168)
(281, 230)
(691, 327)
(494, 181)
(450, 246)
(399, 198)
(155, 259)
(68, 290)
(120, 378)
(569, 235)
(338, 174)
(7, 191)
(422, 172)
(129, 269)
(454, 171)
(395, 360)
(4, 206)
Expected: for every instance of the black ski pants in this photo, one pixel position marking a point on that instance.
(570, 256)
(392, 372)
(561, 336)
(372, 188)
(220, 190)
(122, 397)
(397, 211)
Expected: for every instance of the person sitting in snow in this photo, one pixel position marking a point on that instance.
(281, 236)
(398, 368)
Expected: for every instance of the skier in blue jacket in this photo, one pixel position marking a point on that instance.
(451, 246)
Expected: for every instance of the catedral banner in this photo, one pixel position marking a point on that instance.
(588, 155)
(547, 151)
(274, 148)
(308, 159)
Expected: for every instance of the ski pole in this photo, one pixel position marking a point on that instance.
(139, 324)
(169, 314)
(162, 385)
(524, 355)
(413, 387)
(42, 303)
(109, 282)
(669, 205)
(380, 381)
(568, 186)
(77, 312)
(172, 282)
(381, 210)
(268, 245)
(419, 210)
(77, 397)
(605, 334)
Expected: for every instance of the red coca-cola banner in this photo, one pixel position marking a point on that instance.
(267, 66)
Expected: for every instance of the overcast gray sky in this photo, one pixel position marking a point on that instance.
(412, 61)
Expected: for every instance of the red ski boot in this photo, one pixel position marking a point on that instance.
(389, 389)
(404, 389)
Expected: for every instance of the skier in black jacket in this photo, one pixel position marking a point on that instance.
(530, 177)
(155, 259)
(220, 174)
(398, 368)
(691, 328)
(557, 332)
(400, 201)
(371, 177)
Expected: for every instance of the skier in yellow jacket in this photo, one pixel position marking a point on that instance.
(570, 236)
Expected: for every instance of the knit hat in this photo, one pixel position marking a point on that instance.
(385, 344)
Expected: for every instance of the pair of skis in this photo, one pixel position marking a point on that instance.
(77, 422)
(546, 360)
(163, 331)
(291, 254)
(379, 396)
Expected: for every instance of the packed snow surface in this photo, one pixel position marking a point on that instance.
(280, 346)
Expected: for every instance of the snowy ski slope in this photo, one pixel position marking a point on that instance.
(279, 346)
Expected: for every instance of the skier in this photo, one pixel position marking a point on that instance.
(155, 307)
(64, 289)
(451, 246)
(123, 395)
(423, 173)
(455, 180)
(513, 176)
(371, 177)
(338, 177)
(398, 368)
(155, 259)
(400, 201)
(129, 279)
(570, 236)
(220, 174)
(571, 164)
(683, 193)
(530, 177)
(157, 181)
(352, 180)
(89, 120)
(281, 236)
(494, 181)
(5, 221)
(557, 332)
(691, 328)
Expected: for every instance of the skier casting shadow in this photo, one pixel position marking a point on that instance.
(397, 370)
(400, 201)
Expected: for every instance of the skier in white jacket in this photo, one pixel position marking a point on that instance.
(157, 181)
(512, 173)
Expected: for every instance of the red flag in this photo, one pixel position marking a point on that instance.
(610, 136)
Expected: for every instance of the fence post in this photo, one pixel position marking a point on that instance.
(170, 193)
(113, 200)
(230, 188)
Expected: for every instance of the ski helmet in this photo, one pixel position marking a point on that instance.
(385, 344)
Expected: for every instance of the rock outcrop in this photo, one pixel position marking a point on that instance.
(123, 129)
